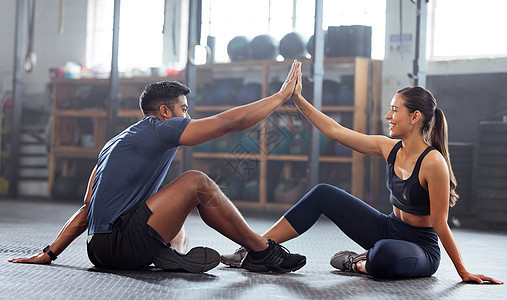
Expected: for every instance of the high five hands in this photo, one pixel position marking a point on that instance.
(289, 85)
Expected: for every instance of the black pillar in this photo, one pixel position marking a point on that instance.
(18, 83)
(318, 78)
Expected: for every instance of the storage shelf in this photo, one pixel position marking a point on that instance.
(273, 157)
(343, 62)
(335, 159)
(76, 151)
(291, 108)
(80, 113)
(225, 155)
(123, 113)
(263, 72)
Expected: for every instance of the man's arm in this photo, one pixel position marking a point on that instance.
(239, 118)
(73, 228)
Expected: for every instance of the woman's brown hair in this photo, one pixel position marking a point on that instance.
(434, 126)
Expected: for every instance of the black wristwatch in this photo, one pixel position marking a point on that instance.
(49, 252)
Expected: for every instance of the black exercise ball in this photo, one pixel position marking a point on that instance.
(238, 48)
(310, 46)
(225, 91)
(249, 92)
(292, 45)
(264, 46)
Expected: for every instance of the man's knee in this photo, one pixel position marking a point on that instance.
(195, 176)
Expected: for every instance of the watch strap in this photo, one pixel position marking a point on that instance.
(49, 252)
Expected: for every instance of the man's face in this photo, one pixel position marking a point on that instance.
(181, 108)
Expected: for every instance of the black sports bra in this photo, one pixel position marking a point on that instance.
(407, 195)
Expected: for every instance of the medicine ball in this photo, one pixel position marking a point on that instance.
(264, 46)
(292, 45)
(249, 92)
(238, 48)
(225, 91)
(310, 46)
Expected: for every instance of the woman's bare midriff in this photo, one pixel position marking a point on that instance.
(414, 220)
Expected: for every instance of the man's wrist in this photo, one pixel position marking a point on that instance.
(49, 252)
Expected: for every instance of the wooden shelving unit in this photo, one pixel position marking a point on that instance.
(262, 157)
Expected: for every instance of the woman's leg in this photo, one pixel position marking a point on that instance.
(356, 219)
(397, 258)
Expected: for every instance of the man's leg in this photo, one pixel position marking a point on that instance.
(172, 204)
(180, 241)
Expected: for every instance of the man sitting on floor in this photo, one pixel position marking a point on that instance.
(132, 223)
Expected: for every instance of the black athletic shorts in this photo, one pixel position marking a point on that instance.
(131, 245)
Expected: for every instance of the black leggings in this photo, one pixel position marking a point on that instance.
(396, 249)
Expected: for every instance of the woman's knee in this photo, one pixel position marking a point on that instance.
(396, 258)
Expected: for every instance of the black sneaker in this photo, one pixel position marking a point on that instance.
(197, 260)
(277, 259)
(346, 260)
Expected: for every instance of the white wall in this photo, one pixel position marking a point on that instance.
(468, 66)
(52, 48)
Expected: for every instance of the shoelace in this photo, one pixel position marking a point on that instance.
(284, 251)
(347, 265)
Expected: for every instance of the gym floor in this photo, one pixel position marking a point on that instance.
(29, 225)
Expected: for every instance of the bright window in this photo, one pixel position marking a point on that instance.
(141, 37)
(468, 28)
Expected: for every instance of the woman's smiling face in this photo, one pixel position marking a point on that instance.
(399, 117)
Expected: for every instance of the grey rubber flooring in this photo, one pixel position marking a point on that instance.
(27, 226)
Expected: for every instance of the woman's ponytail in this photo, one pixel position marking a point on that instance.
(437, 137)
(434, 126)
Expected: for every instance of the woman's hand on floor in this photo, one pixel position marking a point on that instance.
(479, 278)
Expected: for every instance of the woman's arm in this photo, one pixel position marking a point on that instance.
(437, 177)
(239, 118)
(363, 143)
(73, 228)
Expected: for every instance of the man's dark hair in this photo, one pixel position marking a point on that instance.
(161, 93)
